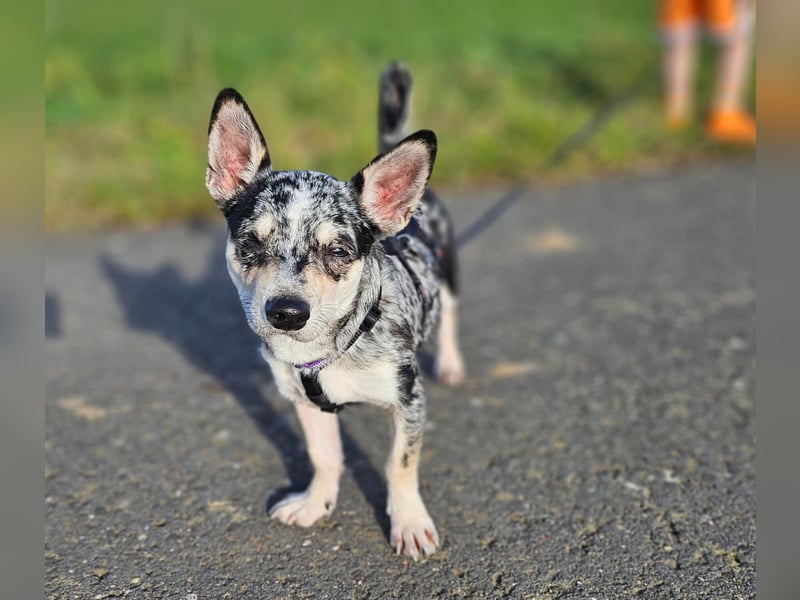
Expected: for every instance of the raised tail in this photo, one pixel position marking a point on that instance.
(394, 105)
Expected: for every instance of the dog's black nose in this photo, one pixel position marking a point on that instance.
(288, 314)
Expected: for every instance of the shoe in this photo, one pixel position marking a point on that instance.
(732, 126)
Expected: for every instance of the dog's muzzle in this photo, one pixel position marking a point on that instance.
(287, 314)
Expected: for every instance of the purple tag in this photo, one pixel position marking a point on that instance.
(313, 364)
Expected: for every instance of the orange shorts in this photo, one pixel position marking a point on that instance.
(720, 16)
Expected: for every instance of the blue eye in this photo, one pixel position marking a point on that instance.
(338, 252)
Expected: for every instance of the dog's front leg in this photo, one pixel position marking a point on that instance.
(325, 451)
(412, 530)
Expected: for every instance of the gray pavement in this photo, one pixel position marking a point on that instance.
(603, 445)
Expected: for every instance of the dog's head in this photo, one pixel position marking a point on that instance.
(299, 240)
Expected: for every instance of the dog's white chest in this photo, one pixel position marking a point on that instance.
(375, 384)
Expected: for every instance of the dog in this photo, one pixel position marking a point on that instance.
(343, 281)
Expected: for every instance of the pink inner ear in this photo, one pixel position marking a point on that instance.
(392, 198)
(394, 189)
(234, 160)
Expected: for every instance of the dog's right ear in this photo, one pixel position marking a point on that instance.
(237, 151)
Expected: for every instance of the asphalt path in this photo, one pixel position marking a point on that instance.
(602, 447)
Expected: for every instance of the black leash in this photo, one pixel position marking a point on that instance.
(559, 154)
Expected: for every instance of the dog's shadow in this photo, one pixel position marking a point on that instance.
(203, 320)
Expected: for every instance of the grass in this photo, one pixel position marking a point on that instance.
(129, 91)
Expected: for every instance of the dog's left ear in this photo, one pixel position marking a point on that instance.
(237, 150)
(393, 183)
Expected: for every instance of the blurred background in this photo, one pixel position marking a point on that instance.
(129, 91)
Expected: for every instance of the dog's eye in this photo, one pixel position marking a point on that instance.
(338, 252)
(250, 249)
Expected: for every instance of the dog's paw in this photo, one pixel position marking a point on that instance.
(415, 539)
(303, 509)
(450, 368)
(413, 533)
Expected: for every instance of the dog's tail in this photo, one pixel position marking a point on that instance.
(394, 105)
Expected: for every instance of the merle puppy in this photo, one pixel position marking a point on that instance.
(342, 281)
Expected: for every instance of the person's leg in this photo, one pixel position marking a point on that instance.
(678, 21)
(731, 21)
(679, 66)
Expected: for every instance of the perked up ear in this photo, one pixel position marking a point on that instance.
(393, 183)
(237, 150)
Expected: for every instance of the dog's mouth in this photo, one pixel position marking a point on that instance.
(267, 332)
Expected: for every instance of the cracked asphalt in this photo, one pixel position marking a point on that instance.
(603, 446)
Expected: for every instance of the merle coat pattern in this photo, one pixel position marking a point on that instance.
(312, 258)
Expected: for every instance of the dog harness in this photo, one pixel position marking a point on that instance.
(394, 246)
(310, 380)
(414, 240)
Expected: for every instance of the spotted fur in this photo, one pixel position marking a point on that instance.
(335, 249)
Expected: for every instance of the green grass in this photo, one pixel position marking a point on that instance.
(129, 88)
